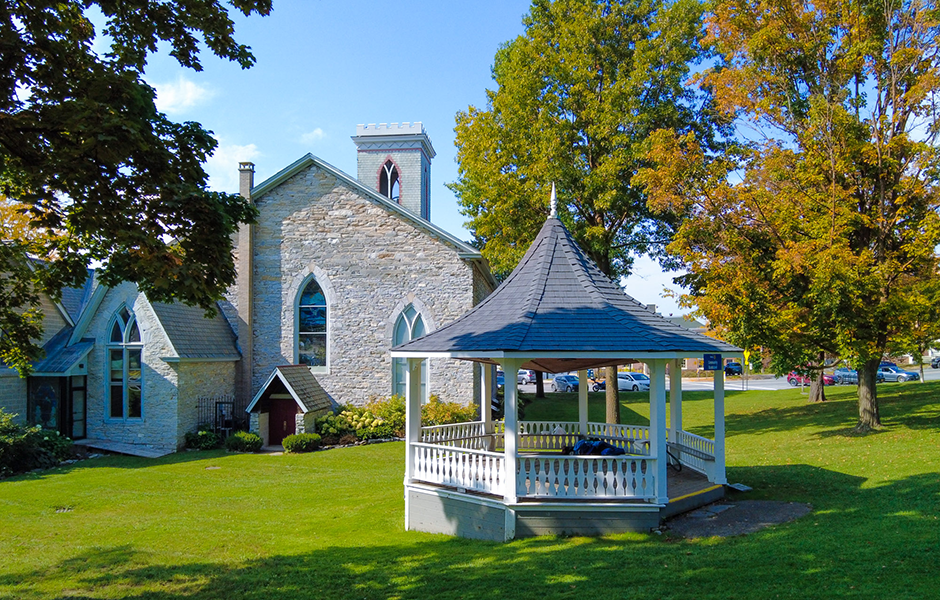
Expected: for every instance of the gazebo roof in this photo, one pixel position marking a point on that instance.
(559, 312)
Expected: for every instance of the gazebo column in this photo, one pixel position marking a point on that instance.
(720, 477)
(675, 400)
(582, 403)
(412, 414)
(511, 437)
(486, 403)
(658, 425)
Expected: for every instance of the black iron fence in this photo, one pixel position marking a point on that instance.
(223, 414)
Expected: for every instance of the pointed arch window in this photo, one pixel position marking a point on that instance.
(408, 326)
(389, 185)
(125, 373)
(312, 326)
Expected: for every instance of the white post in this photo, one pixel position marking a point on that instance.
(582, 403)
(510, 439)
(658, 426)
(489, 385)
(720, 477)
(675, 400)
(412, 414)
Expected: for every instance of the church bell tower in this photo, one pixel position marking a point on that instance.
(395, 160)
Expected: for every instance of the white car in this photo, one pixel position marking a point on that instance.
(635, 382)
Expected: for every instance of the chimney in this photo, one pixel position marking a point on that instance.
(246, 178)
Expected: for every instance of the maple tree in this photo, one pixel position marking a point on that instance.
(101, 173)
(809, 236)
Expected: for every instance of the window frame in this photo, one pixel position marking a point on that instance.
(327, 333)
(396, 362)
(386, 171)
(127, 346)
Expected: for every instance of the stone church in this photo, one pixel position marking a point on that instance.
(336, 271)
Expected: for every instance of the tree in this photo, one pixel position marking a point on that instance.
(102, 175)
(810, 235)
(577, 96)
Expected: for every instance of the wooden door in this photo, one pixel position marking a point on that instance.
(281, 422)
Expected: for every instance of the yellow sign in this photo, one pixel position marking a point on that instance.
(747, 355)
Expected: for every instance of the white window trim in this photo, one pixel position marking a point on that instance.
(124, 346)
(317, 370)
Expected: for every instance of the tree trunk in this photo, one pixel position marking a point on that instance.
(539, 384)
(817, 391)
(613, 396)
(868, 417)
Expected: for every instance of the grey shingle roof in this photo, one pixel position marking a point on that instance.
(194, 336)
(74, 299)
(557, 300)
(302, 386)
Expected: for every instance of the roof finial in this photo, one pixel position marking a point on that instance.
(553, 203)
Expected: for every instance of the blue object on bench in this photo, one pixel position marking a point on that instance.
(596, 448)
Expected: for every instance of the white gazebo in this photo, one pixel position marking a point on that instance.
(505, 479)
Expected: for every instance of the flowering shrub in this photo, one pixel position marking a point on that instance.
(204, 439)
(436, 412)
(24, 448)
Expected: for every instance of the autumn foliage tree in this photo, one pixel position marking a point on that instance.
(813, 234)
(577, 95)
(100, 173)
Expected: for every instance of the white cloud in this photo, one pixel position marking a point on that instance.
(181, 95)
(222, 166)
(312, 136)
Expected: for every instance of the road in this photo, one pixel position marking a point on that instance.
(751, 383)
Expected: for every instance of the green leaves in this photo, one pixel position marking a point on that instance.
(101, 173)
(577, 97)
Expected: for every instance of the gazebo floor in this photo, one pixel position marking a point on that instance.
(439, 509)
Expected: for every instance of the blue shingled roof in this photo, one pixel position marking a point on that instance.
(59, 357)
(556, 301)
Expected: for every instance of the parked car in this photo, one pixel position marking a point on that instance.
(526, 376)
(633, 382)
(898, 374)
(795, 379)
(935, 362)
(500, 380)
(845, 375)
(565, 383)
(733, 368)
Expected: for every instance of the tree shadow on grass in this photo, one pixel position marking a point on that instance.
(901, 405)
(859, 541)
(120, 461)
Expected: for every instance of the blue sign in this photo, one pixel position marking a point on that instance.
(712, 362)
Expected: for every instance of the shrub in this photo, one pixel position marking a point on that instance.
(391, 411)
(24, 448)
(332, 427)
(499, 405)
(301, 442)
(436, 412)
(243, 441)
(204, 439)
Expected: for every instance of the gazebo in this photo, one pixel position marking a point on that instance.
(500, 480)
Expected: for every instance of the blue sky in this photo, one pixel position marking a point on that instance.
(323, 66)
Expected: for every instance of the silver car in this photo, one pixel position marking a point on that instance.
(635, 382)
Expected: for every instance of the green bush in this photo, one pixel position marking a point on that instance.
(301, 442)
(24, 448)
(204, 439)
(435, 412)
(391, 411)
(243, 441)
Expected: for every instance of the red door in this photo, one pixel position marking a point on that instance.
(281, 421)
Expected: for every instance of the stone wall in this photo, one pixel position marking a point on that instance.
(158, 426)
(414, 171)
(371, 264)
(200, 379)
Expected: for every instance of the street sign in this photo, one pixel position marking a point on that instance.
(712, 362)
(747, 357)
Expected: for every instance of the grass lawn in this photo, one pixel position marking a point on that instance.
(210, 525)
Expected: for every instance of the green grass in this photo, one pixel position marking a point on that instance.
(329, 524)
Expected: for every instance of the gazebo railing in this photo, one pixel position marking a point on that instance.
(459, 435)
(586, 477)
(476, 470)
(694, 451)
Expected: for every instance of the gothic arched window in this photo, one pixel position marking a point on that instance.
(408, 326)
(311, 326)
(125, 381)
(389, 185)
